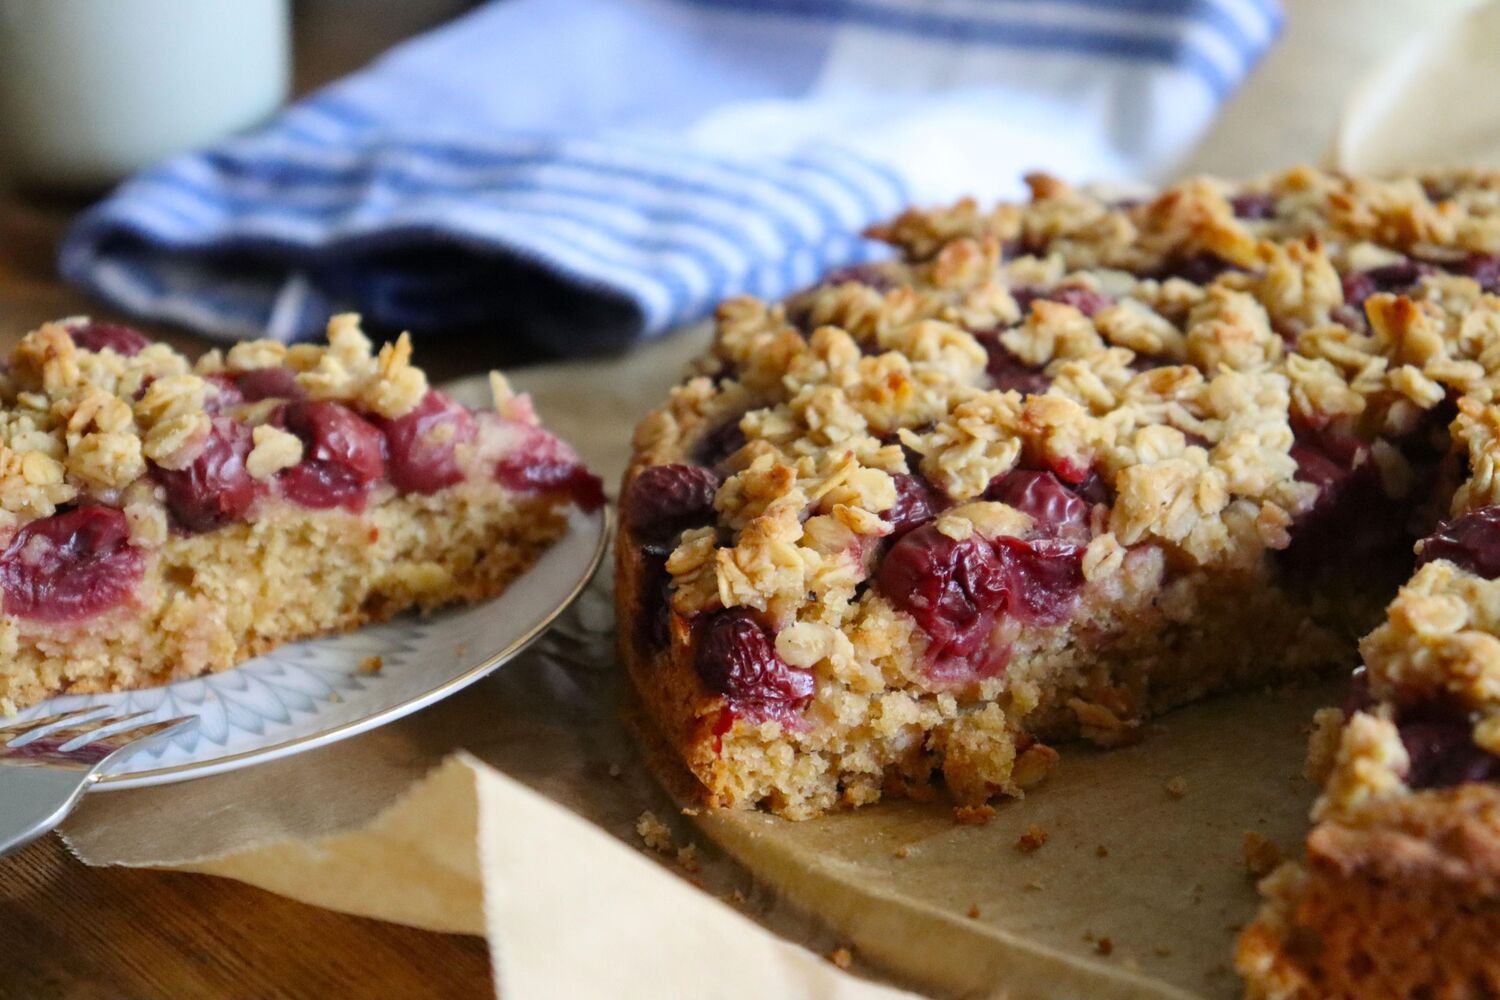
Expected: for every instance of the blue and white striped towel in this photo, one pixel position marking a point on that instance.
(581, 173)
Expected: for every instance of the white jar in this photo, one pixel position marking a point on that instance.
(92, 90)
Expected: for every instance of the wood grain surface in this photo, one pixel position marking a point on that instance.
(70, 932)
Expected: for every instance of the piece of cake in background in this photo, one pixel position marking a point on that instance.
(162, 518)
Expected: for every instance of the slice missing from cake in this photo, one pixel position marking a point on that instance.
(161, 518)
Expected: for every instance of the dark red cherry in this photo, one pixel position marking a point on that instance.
(1470, 541)
(1043, 576)
(215, 489)
(343, 455)
(421, 445)
(1254, 205)
(719, 443)
(1008, 371)
(1439, 742)
(544, 464)
(663, 500)
(123, 340)
(953, 588)
(917, 502)
(269, 383)
(1055, 510)
(736, 657)
(71, 566)
(1086, 300)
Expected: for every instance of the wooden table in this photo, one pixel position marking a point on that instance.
(70, 931)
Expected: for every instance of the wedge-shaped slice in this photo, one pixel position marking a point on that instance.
(161, 518)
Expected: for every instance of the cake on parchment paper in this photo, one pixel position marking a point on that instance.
(1063, 465)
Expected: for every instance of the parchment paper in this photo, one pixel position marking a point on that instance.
(515, 809)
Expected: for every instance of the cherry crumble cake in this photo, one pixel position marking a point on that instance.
(1064, 465)
(161, 518)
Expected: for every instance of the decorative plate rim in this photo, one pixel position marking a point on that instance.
(451, 685)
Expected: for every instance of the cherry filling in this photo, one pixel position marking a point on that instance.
(957, 588)
(543, 464)
(1056, 510)
(661, 503)
(1398, 277)
(664, 500)
(421, 445)
(1008, 371)
(1483, 268)
(268, 383)
(225, 393)
(1438, 737)
(343, 455)
(871, 275)
(1439, 741)
(917, 502)
(215, 489)
(1085, 300)
(1351, 517)
(1254, 205)
(1470, 541)
(953, 588)
(719, 443)
(232, 389)
(1045, 574)
(1199, 268)
(736, 657)
(123, 340)
(70, 566)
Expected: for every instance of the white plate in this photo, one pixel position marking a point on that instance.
(312, 693)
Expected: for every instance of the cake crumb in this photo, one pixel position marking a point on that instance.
(738, 898)
(653, 832)
(687, 858)
(371, 665)
(1101, 851)
(973, 815)
(690, 810)
(904, 851)
(1261, 855)
(974, 911)
(614, 770)
(1104, 946)
(842, 957)
(1034, 885)
(1032, 839)
(1177, 787)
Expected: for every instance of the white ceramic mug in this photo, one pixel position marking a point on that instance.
(92, 90)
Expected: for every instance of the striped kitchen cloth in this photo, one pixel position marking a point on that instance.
(578, 174)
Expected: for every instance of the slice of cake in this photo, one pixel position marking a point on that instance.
(1055, 468)
(1399, 894)
(161, 518)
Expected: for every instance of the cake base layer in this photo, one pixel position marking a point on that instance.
(1400, 900)
(209, 601)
